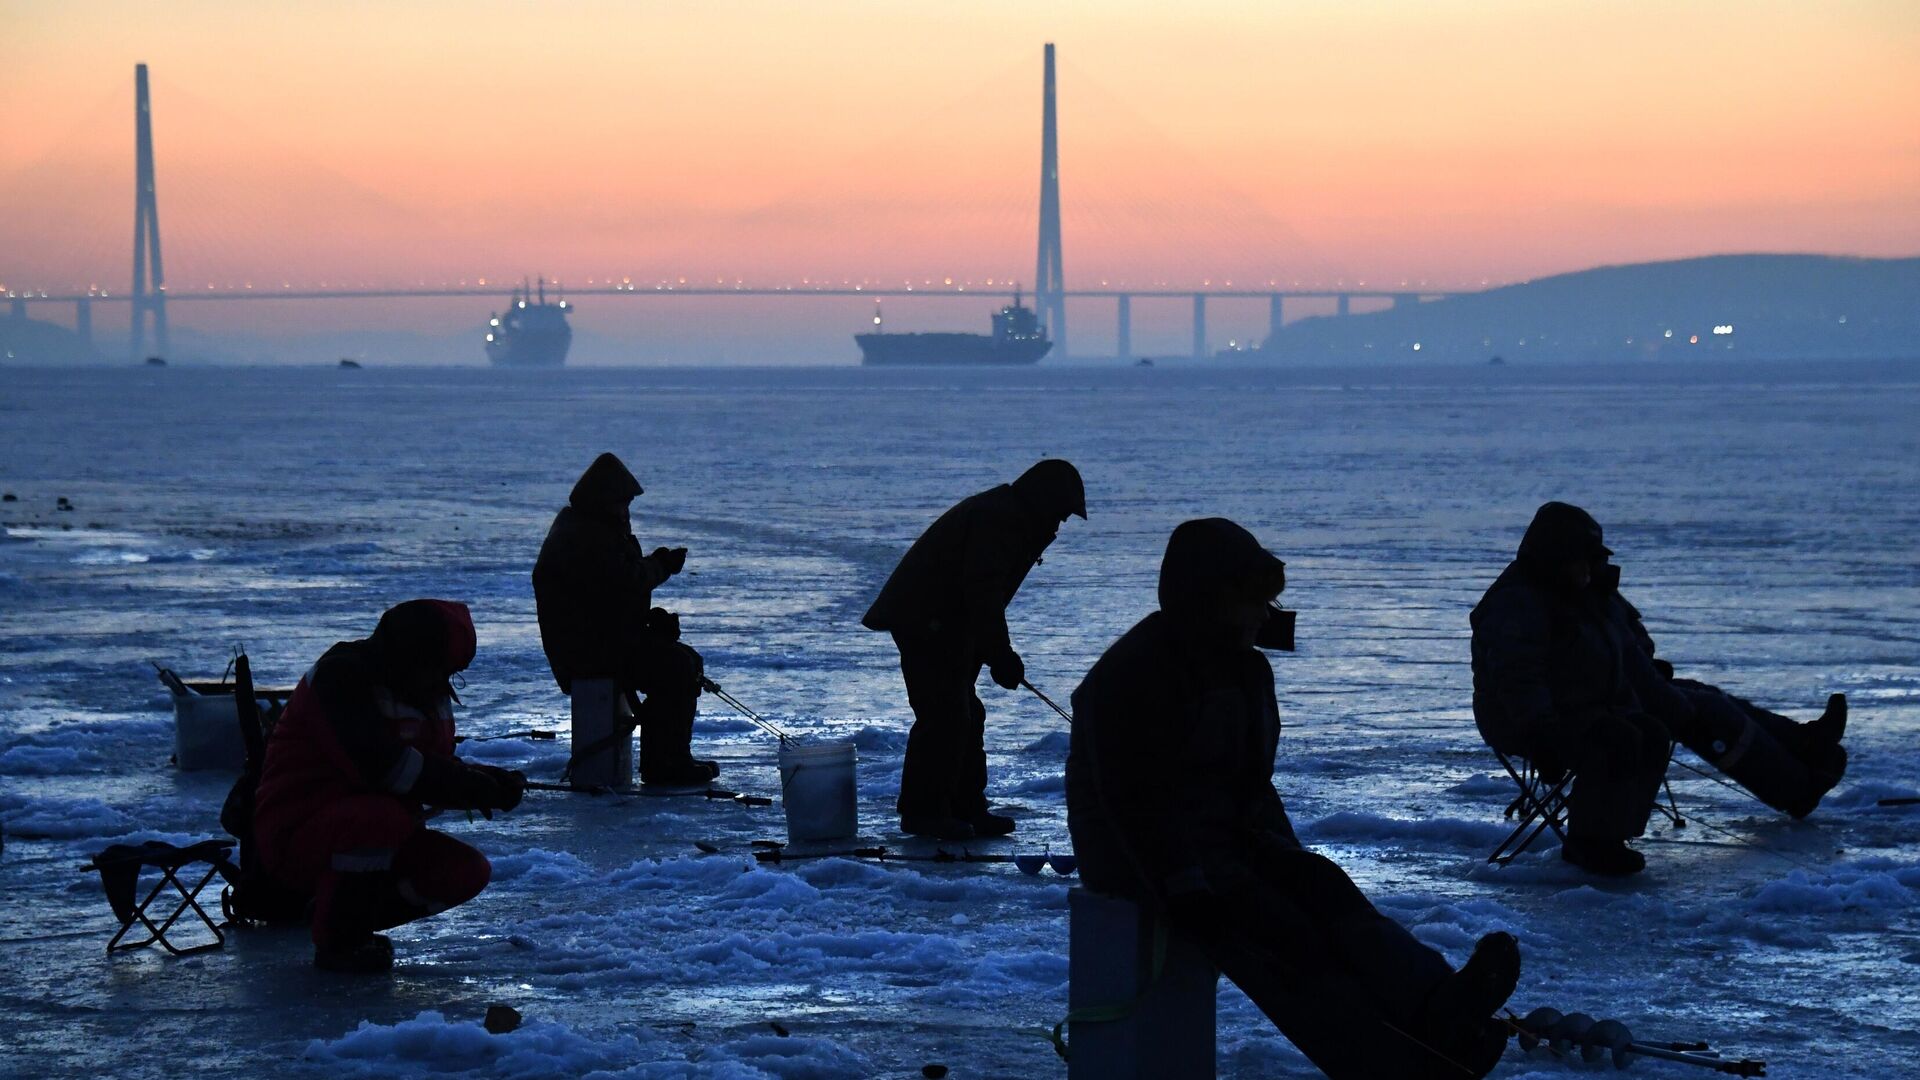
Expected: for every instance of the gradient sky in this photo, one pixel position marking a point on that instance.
(1420, 141)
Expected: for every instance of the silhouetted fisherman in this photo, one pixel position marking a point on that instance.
(1552, 683)
(946, 606)
(1564, 674)
(364, 748)
(1171, 803)
(594, 592)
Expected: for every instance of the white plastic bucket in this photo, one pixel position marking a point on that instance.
(206, 732)
(817, 787)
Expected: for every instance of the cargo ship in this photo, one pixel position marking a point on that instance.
(1017, 338)
(532, 332)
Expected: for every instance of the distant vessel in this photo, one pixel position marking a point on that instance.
(1017, 338)
(532, 333)
(349, 365)
(156, 361)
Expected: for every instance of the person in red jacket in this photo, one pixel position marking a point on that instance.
(364, 748)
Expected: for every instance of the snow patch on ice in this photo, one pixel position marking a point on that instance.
(47, 761)
(1484, 785)
(430, 1044)
(62, 819)
(1040, 785)
(870, 737)
(791, 1058)
(1867, 886)
(535, 868)
(1355, 826)
(1053, 742)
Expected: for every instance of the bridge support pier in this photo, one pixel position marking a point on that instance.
(1405, 299)
(17, 307)
(1274, 316)
(1343, 304)
(1125, 334)
(83, 321)
(1199, 326)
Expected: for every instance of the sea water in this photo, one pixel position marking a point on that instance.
(1765, 517)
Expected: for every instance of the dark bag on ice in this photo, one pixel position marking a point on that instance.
(254, 897)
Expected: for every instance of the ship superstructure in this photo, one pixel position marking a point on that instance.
(531, 332)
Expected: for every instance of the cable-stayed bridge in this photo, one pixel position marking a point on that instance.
(150, 296)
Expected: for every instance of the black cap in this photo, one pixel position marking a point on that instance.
(1054, 484)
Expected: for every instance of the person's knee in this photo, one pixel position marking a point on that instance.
(441, 872)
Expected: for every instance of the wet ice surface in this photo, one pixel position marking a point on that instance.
(1766, 520)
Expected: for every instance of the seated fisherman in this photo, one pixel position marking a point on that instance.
(1171, 803)
(594, 592)
(364, 747)
(1564, 674)
(1552, 683)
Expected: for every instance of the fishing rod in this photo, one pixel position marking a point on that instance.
(1064, 714)
(536, 736)
(598, 789)
(774, 852)
(759, 721)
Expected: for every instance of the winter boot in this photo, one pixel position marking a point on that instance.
(1832, 725)
(685, 773)
(938, 828)
(1481, 986)
(986, 824)
(368, 955)
(1610, 858)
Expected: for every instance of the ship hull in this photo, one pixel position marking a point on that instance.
(960, 350)
(530, 350)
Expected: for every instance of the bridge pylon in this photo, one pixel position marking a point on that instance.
(1049, 280)
(149, 289)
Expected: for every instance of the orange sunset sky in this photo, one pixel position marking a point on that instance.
(1416, 141)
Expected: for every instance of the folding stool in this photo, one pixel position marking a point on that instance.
(119, 867)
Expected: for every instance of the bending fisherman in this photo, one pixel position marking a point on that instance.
(364, 748)
(594, 592)
(1171, 803)
(946, 606)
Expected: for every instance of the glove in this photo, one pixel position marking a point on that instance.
(1008, 670)
(664, 624)
(672, 560)
(452, 784)
(511, 784)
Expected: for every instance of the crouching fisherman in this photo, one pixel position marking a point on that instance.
(1171, 803)
(364, 748)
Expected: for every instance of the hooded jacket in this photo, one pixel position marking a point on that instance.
(959, 577)
(592, 587)
(1543, 652)
(1170, 769)
(346, 731)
